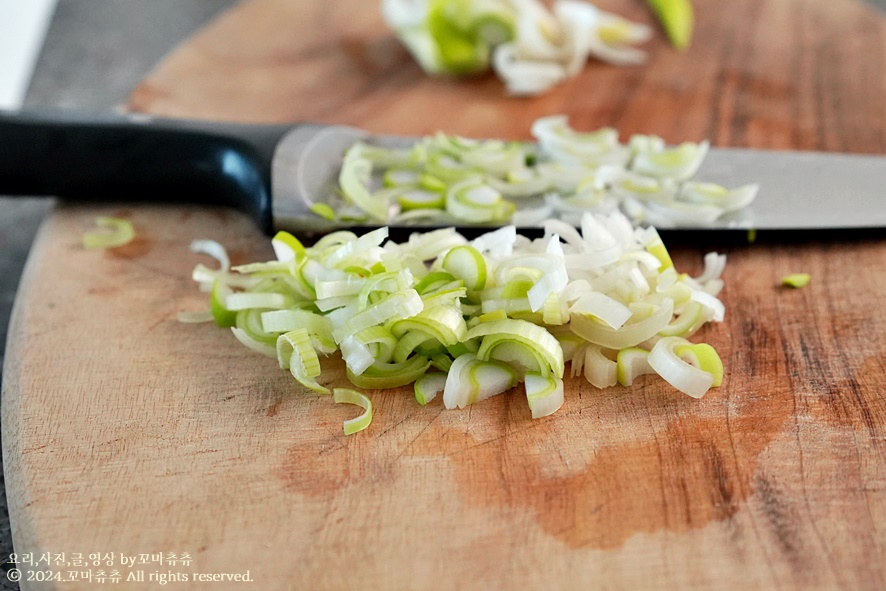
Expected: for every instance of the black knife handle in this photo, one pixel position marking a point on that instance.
(138, 158)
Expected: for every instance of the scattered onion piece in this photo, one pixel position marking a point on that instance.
(677, 18)
(120, 232)
(796, 280)
(348, 396)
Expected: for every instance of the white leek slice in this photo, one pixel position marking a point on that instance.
(522, 76)
(401, 177)
(495, 158)
(336, 288)
(466, 263)
(669, 213)
(497, 243)
(120, 232)
(348, 396)
(629, 334)
(704, 193)
(473, 201)
(213, 249)
(390, 375)
(603, 307)
(381, 284)
(218, 308)
(687, 322)
(426, 246)
(249, 321)
(615, 35)
(646, 188)
(678, 162)
(417, 342)
(356, 173)
(253, 344)
(442, 323)
(268, 300)
(656, 247)
(599, 370)
(718, 310)
(704, 357)
(682, 375)
(554, 312)
(428, 386)
(296, 353)
(318, 326)
(401, 304)
(471, 380)
(195, 316)
(631, 363)
(528, 346)
(371, 345)
(557, 138)
(544, 394)
(713, 267)
(520, 182)
(287, 247)
(529, 217)
(345, 253)
(427, 203)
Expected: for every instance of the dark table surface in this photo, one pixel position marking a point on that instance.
(96, 51)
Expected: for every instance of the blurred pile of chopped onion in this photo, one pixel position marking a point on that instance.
(530, 46)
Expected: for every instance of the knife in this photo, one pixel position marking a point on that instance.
(275, 173)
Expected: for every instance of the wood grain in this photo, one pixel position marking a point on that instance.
(125, 431)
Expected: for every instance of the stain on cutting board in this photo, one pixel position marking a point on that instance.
(668, 463)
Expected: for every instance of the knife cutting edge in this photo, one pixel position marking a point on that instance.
(276, 173)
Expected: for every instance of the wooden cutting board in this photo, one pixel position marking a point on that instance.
(129, 434)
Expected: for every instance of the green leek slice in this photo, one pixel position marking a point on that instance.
(296, 353)
(348, 396)
(379, 376)
(428, 386)
(796, 280)
(681, 374)
(466, 263)
(677, 18)
(222, 315)
(120, 232)
(544, 394)
(631, 363)
(528, 346)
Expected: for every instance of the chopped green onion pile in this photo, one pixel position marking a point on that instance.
(464, 320)
(451, 180)
(529, 46)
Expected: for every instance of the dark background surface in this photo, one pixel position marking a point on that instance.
(96, 51)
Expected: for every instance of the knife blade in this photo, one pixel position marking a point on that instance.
(276, 173)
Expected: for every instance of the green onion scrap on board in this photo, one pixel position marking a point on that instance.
(116, 232)
(528, 45)
(796, 280)
(463, 320)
